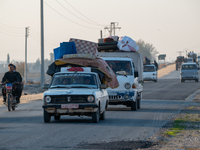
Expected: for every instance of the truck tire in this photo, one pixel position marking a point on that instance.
(138, 103)
(47, 116)
(57, 117)
(134, 105)
(95, 116)
(182, 80)
(102, 116)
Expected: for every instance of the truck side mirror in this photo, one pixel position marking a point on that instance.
(103, 86)
(136, 74)
(45, 86)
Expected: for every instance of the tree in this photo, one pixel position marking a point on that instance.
(147, 50)
(37, 64)
(20, 68)
(8, 58)
(51, 57)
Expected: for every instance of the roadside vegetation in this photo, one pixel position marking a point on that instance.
(147, 49)
(182, 132)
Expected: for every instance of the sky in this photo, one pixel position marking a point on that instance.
(171, 26)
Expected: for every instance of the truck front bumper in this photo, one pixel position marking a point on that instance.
(82, 109)
(121, 96)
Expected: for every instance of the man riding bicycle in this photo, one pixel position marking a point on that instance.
(9, 77)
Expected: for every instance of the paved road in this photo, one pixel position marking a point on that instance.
(24, 128)
(169, 87)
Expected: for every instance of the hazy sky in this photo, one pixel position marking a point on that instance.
(170, 25)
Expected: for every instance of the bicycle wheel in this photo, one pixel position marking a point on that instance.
(8, 102)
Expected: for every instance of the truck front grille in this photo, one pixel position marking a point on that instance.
(69, 99)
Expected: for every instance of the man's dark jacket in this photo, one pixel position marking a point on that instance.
(11, 77)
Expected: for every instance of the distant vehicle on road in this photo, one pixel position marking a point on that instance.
(189, 71)
(188, 60)
(150, 73)
(179, 61)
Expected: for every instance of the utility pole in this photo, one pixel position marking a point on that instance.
(42, 46)
(26, 36)
(112, 28)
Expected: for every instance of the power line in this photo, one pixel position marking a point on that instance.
(83, 15)
(68, 18)
(3, 32)
(12, 28)
(73, 13)
(36, 34)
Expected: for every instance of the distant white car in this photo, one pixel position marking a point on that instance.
(150, 73)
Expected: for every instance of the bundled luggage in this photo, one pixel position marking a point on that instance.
(76, 48)
(113, 43)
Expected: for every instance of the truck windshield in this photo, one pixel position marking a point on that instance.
(149, 69)
(79, 80)
(189, 67)
(120, 67)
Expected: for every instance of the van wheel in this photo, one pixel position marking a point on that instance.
(134, 106)
(95, 116)
(197, 80)
(47, 116)
(155, 80)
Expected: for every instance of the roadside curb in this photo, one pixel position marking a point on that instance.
(192, 96)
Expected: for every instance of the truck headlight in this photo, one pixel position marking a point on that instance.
(90, 99)
(48, 99)
(126, 96)
(127, 85)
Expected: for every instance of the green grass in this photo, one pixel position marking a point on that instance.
(178, 126)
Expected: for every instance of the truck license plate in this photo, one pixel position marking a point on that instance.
(70, 106)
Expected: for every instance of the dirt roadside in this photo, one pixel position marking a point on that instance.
(182, 131)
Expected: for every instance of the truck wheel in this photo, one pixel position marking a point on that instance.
(47, 117)
(57, 117)
(138, 103)
(95, 116)
(102, 116)
(134, 106)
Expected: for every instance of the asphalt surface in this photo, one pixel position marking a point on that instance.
(169, 87)
(24, 128)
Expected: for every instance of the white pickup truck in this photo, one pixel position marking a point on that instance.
(75, 91)
(128, 67)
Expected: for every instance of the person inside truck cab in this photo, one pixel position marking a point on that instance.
(89, 81)
(128, 68)
(65, 81)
